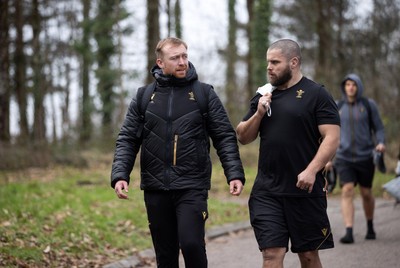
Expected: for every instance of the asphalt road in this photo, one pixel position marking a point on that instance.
(238, 249)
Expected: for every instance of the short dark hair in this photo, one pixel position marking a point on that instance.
(288, 47)
(168, 40)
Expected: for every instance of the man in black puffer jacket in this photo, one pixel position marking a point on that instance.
(175, 161)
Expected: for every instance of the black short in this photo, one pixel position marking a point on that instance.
(356, 172)
(303, 220)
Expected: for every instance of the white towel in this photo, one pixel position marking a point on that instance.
(267, 88)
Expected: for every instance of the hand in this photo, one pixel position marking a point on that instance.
(264, 102)
(329, 166)
(119, 187)
(235, 187)
(380, 148)
(305, 181)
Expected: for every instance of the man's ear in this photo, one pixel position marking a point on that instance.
(160, 63)
(294, 62)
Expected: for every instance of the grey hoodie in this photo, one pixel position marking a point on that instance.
(356, 141)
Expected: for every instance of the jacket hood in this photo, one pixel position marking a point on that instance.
(357, 80)
(170, 80)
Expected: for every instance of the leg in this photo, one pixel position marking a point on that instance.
(347, 204)
(309, 228)
(191, 210)
(348, 175)
(310, 259)
(368, 202)
(273, 257)
(163, 228)
(270, 229)
(348, 211)
(369, 207)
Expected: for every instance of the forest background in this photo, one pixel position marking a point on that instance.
(69, 69)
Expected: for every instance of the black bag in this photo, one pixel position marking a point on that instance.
(379, 161)
(331, 177)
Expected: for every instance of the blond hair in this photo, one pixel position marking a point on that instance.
(169, 40)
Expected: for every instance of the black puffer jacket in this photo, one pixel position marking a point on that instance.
(174, 145)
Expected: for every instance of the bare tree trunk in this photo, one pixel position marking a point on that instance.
(53, 118)
(325, 40)
(341, 58)
(49, 81)
(39, 124)
(86, 122)
(170, 18)
(178, 19)
(249, 58)
(153, 35)
(4, 74)
(66, 123)
(122, 93)
(20, 72)
(231, 59)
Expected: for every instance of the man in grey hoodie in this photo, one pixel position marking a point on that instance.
(361, 134)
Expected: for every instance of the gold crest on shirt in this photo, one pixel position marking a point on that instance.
(300, 93)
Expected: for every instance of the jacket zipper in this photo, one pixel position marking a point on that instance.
(168, 137)
(175, 146)
(352, 125)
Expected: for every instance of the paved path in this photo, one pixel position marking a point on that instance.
(238, 249)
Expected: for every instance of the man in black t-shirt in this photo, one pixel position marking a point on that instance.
(299, 128)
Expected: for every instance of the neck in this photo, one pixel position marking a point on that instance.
(351, 99)
(297, 76)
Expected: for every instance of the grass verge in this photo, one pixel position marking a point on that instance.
(66, 217)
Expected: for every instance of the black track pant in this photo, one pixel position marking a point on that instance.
(177, 221)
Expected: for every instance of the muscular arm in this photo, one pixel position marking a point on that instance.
(330, 141)
(327, 149)
(247, 131)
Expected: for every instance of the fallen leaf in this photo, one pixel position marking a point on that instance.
(47, 249)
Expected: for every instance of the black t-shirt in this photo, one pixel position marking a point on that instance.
(290, 138)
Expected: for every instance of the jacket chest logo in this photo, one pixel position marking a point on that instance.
(191, 96)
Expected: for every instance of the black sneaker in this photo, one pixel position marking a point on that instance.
(347, 240)
(370, 236)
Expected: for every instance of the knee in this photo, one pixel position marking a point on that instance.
(308, 257)
(348, 191)
(367, 195)
(192, 247)
(273, 254)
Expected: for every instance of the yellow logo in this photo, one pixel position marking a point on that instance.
(300, 93)
(191, 96)
(324, 231)
(204, 215)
